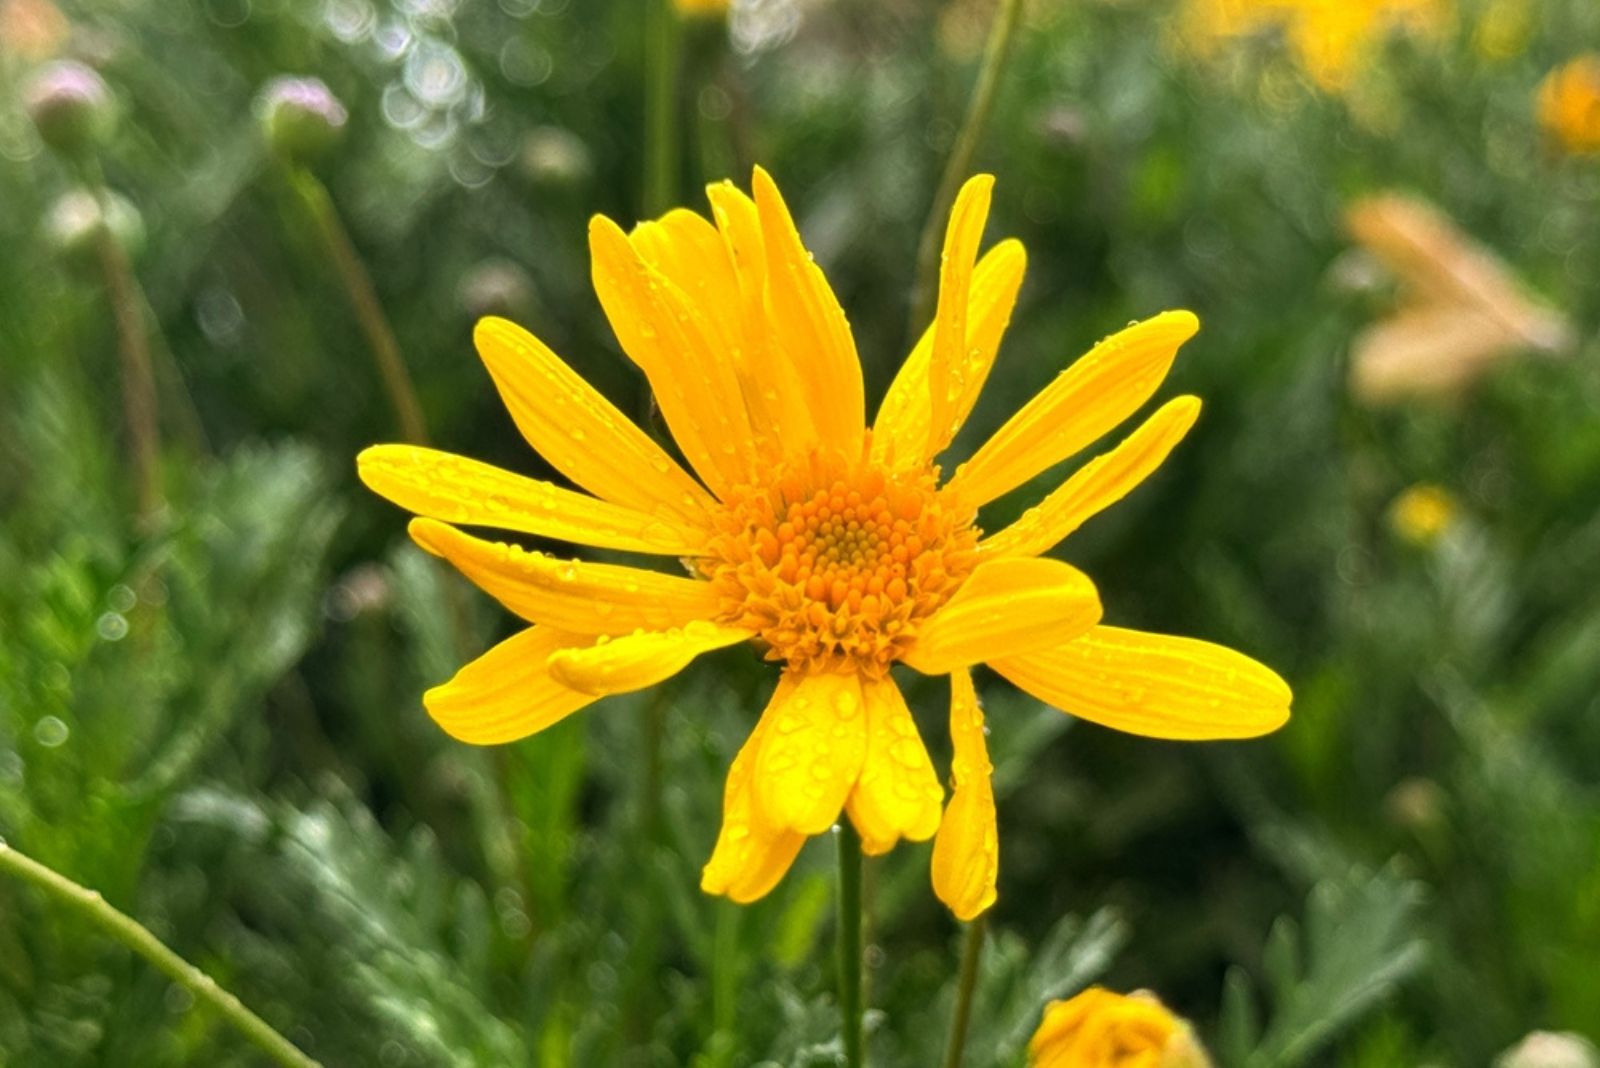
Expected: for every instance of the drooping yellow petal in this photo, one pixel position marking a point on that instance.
(1008, 604)
(807, 325)
(1085, 401)
(812, 753)
(692, 379)
(966, 852)
(635, 661)
(1098, 484)
(901, 436)
(948, 365)
(507, 693)
(1155, 685)
(779, 417)
(455, 489)
(898, 794)
(579, 432)
(569, 594)
(750, 855)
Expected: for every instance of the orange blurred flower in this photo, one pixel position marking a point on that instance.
(1569, 104)
(1463, 309)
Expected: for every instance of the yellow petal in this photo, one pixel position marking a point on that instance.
(948, 365)
(442, 485)
(1006, 605)
(901, 437)
(898, 795)
(1098, 484)
(1155, 685)
(569, 594)
(774, 398)
(635, 661)
(692, 379)
(1085, 401)
(687, 249)
(580, 433)
(812, 755)
(966, 852)
(506, 693)
(750, 855)
(808, 326)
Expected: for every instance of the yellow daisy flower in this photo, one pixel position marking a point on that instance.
(1099, 1029)
(834, 547)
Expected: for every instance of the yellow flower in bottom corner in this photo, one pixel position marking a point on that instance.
(1099, 1029)
(835, 548)
(702, 7)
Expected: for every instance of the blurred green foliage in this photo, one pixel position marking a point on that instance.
(212, 714)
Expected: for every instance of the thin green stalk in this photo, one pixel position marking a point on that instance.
(662, 59)
(849, 843)
(137, 938)
(364, 301)
(139, 406)
(725, 972)
(995, 53)
(971, 954)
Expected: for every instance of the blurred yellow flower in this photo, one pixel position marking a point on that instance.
(702, 7)
(1330, 39)
(832, 546)
(1569, 104)
(1463, 312)
(1099, 1029)
(1422, 513)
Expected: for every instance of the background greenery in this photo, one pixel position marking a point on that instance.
(214, 717)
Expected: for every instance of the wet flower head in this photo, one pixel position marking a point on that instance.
(835, 548)
(836, 564)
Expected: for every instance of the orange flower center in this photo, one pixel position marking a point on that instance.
(834, 563)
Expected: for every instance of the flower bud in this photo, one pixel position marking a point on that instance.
(301, 117)
(1099, 1029)
(1551, 1049)
(69, 105)
(76, 220)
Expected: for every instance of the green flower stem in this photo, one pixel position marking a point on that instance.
(139, 406)
(971, 954)
(363, 297)
(995, 52)
(662, 61)
(849, 843)
(137, 938)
